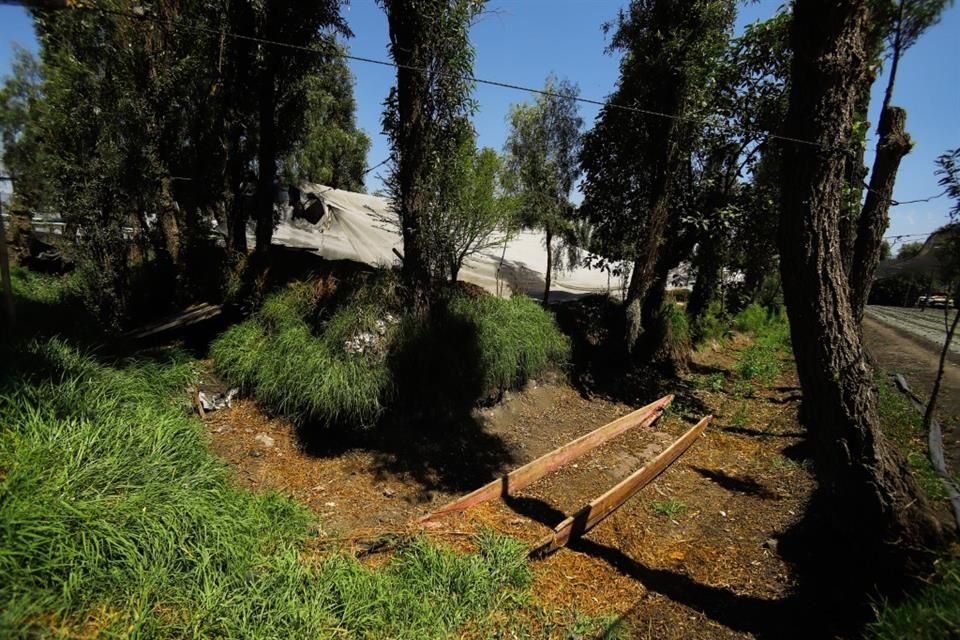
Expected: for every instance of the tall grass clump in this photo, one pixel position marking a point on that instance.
(515, 338)
(116, 521)
(278, 356)
(931, 614)
(343, 363)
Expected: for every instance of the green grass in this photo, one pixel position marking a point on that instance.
(903, 426)
(931, 614)
(668, 508)
(114, 518)
(294, 358)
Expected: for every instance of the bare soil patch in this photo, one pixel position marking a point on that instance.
(710, 568)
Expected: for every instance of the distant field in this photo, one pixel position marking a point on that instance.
(926, 324)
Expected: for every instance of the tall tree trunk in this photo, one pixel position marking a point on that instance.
(875, 217)
(403, 18)
(709, 264)
(878, 510)
(648, 251)
(266, 161)
(236, 210)
(549, 273)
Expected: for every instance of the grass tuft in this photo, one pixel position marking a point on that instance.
(344, 366)
(115, 519)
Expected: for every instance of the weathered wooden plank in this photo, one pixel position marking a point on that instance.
(600, 508)
(533, 471)
(191, 315)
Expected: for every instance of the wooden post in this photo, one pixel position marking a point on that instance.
(599, 509)
(5, 274)
(533, 471)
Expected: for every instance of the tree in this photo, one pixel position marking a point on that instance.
(426, 119)
(479, 214)
(19, 97)
(282, 87)
(948, 168)
(877, 509)
(885, 251)
(909, 250)
(332, 150)
(542, 152)
(900, 23)
(630, 160)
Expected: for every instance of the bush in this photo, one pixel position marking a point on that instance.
(342, 363)
(116, 521)
(713, 325)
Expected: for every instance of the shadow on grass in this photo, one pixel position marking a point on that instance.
(429, 432)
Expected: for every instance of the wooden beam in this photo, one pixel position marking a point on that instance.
(533, 471)
(599, 509)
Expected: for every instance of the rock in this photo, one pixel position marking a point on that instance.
(265, 440)
(771, 544)
(389, 492)
(256, 454)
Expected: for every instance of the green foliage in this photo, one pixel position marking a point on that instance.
(19, 98)
(115, 518)
(672, 55)
(668, 508)
(933, 613)
(909, 250)
(426, 120)
(344, 365)
(712, 325)
(753, 319)
(542, 150)
(759, 362)
(331, 150)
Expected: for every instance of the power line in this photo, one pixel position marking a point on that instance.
(141, 15)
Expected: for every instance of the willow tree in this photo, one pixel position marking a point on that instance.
(877, 509)
(427, 122)
(542, 151)
(644, 135)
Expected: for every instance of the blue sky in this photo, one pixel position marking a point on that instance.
(522, 41)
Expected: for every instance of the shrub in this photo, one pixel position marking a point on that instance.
(713, 325)
(116, 521)
(759, 362)
(343, 364)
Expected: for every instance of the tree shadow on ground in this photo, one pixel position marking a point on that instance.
(746, 486)
(430, 432)
(758, 433)
(600, 365)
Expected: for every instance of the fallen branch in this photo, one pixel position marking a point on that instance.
(533, 471)
(599, 509)
(934, 447)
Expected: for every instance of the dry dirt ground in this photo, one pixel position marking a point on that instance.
(697, 554)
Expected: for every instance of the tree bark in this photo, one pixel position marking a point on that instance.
(236, 210)
(403, 18)
(875, 217)
(709, 264)
(877, 509)
(549, 273)
(648, 251)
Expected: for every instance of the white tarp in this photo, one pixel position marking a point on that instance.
(353, 228)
